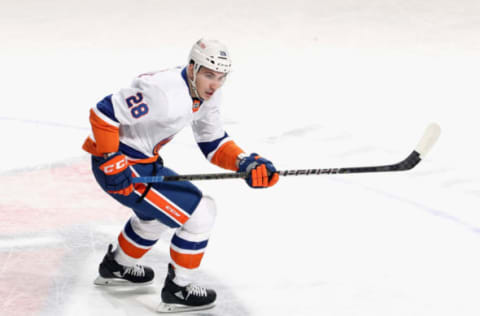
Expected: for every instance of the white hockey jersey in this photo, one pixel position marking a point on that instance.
(139, 120)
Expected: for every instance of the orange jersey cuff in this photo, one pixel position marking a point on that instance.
(226, 156)
(106, 135)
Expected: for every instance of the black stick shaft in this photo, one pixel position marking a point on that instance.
(411, 161)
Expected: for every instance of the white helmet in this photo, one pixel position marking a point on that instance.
(210, 54)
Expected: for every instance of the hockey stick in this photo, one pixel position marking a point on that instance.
(427, 141)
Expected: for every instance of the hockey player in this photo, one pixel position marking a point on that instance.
(129, 129)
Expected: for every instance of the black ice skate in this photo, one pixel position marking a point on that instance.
(113, 273)
(184, 298)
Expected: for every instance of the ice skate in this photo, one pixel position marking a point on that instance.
(113, 273)
(177, 299)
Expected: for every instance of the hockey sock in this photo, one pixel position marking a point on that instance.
(137, 238)
(190, 241)
(186, 252)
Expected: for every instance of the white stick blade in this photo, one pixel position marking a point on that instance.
(429, 139)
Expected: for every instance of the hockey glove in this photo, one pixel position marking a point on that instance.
(118, 175)
(261, 172)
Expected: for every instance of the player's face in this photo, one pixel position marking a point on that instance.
(208, 81)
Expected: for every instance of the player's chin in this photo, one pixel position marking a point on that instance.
(207, 95)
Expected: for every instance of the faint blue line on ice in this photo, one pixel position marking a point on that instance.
(45, 123)
(455, 182)
(426, 208)
(433, 211)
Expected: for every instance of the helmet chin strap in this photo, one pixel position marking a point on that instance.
(193, 82)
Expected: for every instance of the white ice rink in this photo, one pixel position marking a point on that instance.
(316, 84)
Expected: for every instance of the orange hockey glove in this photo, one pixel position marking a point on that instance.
(261, 172)
(118, 175)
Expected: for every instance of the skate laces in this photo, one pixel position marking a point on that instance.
(196, 290)
(136, 270)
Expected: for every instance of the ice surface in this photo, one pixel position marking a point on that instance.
(316, 84)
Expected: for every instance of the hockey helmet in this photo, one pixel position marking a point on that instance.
(210, 54)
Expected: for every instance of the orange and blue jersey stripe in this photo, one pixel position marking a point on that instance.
(208, 148)
(106, 107)
(105, 127)
(222, 152)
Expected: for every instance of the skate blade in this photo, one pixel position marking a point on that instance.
(117, 282)
(177, 308)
